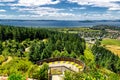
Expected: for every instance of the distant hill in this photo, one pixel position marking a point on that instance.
(103, 27)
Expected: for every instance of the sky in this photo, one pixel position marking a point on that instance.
(60, 9)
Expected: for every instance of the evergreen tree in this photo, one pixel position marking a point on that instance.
(1, 47)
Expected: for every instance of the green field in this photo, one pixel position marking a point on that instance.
(111, 42)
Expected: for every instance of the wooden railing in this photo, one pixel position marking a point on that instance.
(61, 59)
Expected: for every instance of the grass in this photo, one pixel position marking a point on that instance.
(113, 48)
(111, 42)
(88, 53)
(113, 45)
(75, 30)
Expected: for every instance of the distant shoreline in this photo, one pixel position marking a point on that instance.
(58, 23)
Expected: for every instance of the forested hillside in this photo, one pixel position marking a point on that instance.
(22, 47)
(44, 41)
(103, 27)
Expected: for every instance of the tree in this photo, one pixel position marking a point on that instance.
(34, 53)
(2, 58)
(16, 77)
(56, 53)
(59, 45)
(43, 72)
(64, 54)
(97, 43)
(0, 47)
(73, 55)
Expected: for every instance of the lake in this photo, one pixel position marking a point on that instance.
(57, 23)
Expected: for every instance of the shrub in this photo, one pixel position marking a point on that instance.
(16, 77)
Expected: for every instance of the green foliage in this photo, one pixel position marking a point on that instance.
(40, 73)
(15, 66)
(56, 53)
(91, 74)
(113, 77)
(17, 39)
(43, 72)
(111, 42)
(16, 77)
(22, 33)
(64, 54)
(12, 48)
(73, 55)
(1, 47)
(106, 58)
(88, 54)
(36, 51)
(103, 27)
(97, 43)
(33, 71)
(2, 58)
(74, 76)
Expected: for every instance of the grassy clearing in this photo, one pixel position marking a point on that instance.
(114, 49)
(111, 42)
(88, 53)
(113, 45)
(75, 30)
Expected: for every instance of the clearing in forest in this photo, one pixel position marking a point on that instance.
(113, 45)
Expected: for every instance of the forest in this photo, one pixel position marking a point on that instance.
(34, 44)
(22, 47)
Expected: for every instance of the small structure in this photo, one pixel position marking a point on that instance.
(57, 66)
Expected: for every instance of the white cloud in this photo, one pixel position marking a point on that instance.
(56, 13)
(97, 3)
(4, 16)
(7, 0)
(64, 16)
(114, 8)
(2, 10)
(32, 3)
(46, 12)
(1, 15)
(48, 9)
(79, 8)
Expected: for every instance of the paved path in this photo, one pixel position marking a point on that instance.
(57, 77)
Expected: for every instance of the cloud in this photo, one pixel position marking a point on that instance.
(48, 9)
(79, 8)
(39, 9)
(46, 12)
(64, 16)
(114, 8)
(32, 3)
(2, 10)
(98, 3)
(7, 0)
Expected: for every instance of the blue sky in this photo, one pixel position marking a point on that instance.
(60, 9)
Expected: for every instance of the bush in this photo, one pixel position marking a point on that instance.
(16, 77)
(2, 58)
(43, 73)
(40, 73)
(16, 66)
